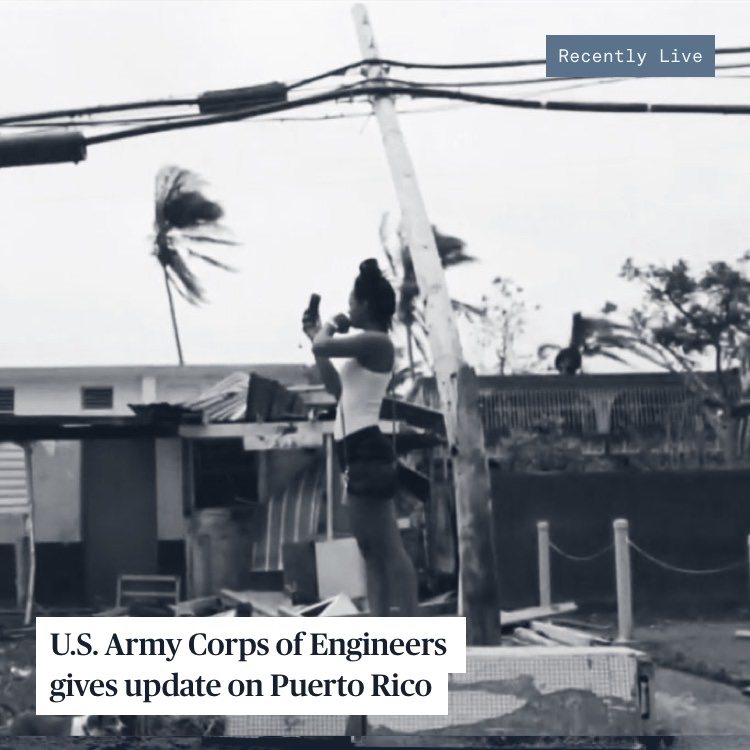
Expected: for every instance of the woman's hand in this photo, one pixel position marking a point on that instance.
(311, 324)
(340, 324)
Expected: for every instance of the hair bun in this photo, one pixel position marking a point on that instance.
(370, 269)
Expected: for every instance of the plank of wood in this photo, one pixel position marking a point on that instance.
(341, 606)
(520, 616)
(196, 607)
(265, 603)
(742, 634)
(526, 636)
(290, 611)
(566, 636)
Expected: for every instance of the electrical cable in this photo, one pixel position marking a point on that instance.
(424, 93)
(341, 70)
(365, 87)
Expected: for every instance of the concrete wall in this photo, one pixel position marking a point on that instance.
(64, 397)
(119, 513)
(57, 390)
(694, 520)
(56, 467)
(169, 488)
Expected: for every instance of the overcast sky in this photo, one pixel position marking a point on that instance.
(556, 201)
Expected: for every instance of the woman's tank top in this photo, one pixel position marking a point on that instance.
(362, 394)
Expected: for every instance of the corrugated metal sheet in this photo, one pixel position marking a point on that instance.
(293, 515)
(226, 401)
(14, 490)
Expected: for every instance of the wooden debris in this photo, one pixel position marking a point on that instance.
(526, 637)
(567, 636)
(201, 607)
(742, 634)
(335, 606)
(522, 616)
(341, 606)
(265, 603)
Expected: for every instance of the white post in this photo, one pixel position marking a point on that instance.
(545, 585)
(457, 383)
(624, 588)
(330, 477)
(30, 533)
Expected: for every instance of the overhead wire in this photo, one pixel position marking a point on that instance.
(333, 72)
(379, 90)
(195, 117)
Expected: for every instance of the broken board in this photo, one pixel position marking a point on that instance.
(522, 616)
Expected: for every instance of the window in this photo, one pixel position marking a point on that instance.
(96, 397)
(7, 400)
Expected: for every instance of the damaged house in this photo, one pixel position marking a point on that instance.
(214, 490)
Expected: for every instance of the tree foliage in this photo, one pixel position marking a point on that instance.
(184, 221)
(691, 318)
(592, 337)
(410, 303)
(696, 320)
(498, 328)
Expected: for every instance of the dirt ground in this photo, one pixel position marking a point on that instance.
(704, 648)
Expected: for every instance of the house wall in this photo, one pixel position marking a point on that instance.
(56, 467)
(169, 490)
(696, 520)
(52, 390)
(119, 513)
(56, 471)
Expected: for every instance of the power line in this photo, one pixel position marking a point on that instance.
(364, 87)
(339, 71)
(100, 109)
(343, 69)
(581, 83)
(425, 93)
(729, 67)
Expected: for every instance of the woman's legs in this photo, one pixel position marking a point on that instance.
(391, 578)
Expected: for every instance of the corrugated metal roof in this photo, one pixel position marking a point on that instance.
(227, 400)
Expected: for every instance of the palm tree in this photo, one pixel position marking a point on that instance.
(596, 337)
(452, 252)
(184, 219)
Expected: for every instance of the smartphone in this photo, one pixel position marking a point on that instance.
(313, 308)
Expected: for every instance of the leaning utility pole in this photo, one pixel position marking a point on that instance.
(456, 381)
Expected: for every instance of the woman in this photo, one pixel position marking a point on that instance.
(359, 391)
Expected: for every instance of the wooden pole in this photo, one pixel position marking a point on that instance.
(330, 487)
(457, 383)
(545, 585)
(624, 587)
(31, 536)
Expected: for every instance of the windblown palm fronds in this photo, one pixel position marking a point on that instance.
(452, 252)
(184, 220)
(596, 337)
